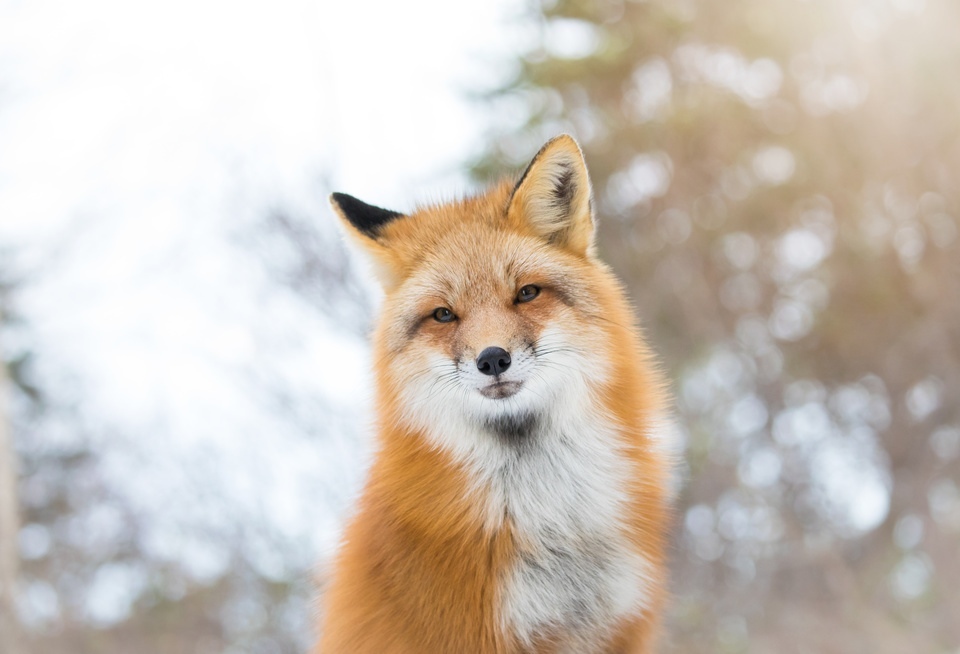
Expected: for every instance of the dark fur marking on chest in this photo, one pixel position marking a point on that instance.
(515, 430)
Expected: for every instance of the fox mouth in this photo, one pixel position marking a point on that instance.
(500, 390)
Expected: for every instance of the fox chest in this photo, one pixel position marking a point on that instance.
(574, 593)
(574, 576)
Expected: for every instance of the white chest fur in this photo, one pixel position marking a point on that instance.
(575, 572)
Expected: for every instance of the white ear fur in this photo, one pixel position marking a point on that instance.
(553, 196)
(362, 224)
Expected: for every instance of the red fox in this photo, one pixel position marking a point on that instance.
(518, 498)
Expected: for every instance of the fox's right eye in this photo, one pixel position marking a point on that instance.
(443, 314)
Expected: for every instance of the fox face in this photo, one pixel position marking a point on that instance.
(500, 340)
(492, 308)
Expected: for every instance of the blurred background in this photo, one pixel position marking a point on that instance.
(184, 400)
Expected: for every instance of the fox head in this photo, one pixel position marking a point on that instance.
(497, 312)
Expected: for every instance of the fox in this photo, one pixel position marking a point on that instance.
(518, 498)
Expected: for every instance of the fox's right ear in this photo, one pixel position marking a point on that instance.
(365, 222)
(553, 196)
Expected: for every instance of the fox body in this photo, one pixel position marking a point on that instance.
(518, 498)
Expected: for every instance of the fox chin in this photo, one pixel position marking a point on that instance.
(519, 497)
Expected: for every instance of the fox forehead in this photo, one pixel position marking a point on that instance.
(475, 266)
(431, 225)
(471, 236)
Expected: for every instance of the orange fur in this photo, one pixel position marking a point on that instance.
(426, 561)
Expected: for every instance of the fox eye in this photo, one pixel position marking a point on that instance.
(527, 293)
(443, 314)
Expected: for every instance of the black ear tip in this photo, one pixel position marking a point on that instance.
(340, 199)
(367, 218)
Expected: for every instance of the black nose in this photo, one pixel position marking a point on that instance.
(493, 361)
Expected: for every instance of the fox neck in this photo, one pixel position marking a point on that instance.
(553, 473)
(554, 483)
(560, 464)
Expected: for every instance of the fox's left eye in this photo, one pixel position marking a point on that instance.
(444, 314)
(527, 293)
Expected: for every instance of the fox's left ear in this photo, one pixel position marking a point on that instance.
(553, 196)
(364, 223)
(365, 218)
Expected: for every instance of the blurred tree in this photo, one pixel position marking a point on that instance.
(776, 182)
(99, 575)
(308, 257)
(9, 522)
